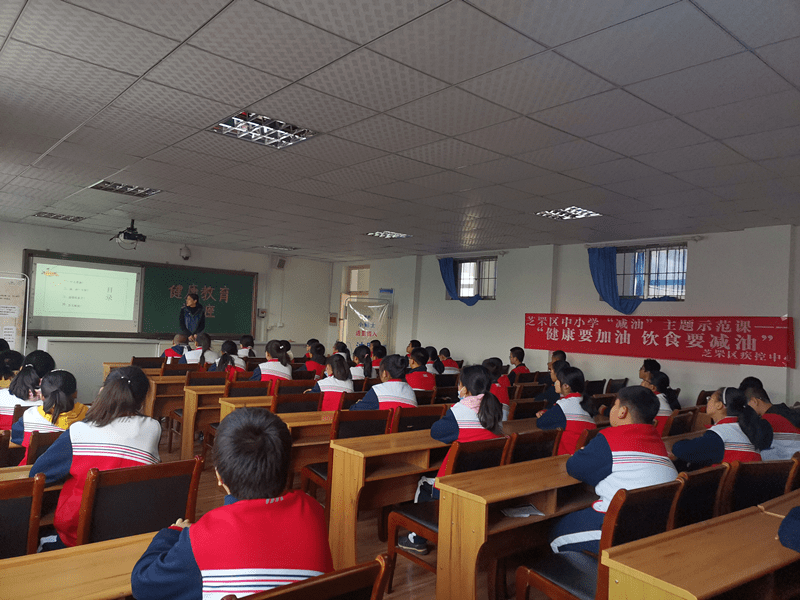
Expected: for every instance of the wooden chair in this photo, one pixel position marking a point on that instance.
(423, 518)
(370, 382)
(358, 385)
(38, 443)
(416, 418)
(300, 360)
(586, 436)
(593, 388)
(699, 498)
(204, 378)
(240, 375)
(521, 378)
(600, 400)
(632, 515)
(5, 438)
(253, 361)
(292, 386)
(346, 424)
(460, 363)
(446, 395)
(544, 378)
(524, 409)
(179, 369)
(148, 362)
(680, 421)
(425, 397)
(366, 581)
(703, 396)
(527, 390)
(533, 444)
(292, 403)
(446, 380)
(615, 385)
(751, 483)
(350, 398)
(20, 513)
(239, 389)
(302, 375)
(793, 482)
(123, 502)
(19, 410)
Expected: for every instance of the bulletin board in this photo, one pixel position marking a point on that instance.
(13, 303)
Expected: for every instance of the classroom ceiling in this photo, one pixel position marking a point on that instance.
(453, 121)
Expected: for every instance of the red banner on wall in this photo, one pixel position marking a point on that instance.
(766, 341)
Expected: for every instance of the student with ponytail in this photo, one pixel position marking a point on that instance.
(58, 411)
(114, 434)
(337, 382)
(230, 361)
(363, 359)
(738, 432)
(573, 413)
(10, 362)
(316, 361)
(277, 365)
(393, 391)
(478, 415)
(495, 367)
(341, 348)
(202, 353)
(434, 365)
(24, 388)
(658, 383)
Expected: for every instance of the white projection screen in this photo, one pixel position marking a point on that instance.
(71, 295)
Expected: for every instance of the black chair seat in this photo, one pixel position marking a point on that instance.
(319, 469)
(178, 411)
(576, 572)
(214, 425)
(424, 513)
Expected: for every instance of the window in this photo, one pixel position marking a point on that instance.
(652, 272)
(476, 276)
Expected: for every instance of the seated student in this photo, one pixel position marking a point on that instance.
(393, 391)
(411, 345)
(309, 344)
(418, 377)
(277, 365)
(476, 416)
(658, 383)
(785, 424)
(337, 382)
(738, 433)
(628, 455)
(550, 395)
(434, 366)
(24, 388)
(450, 366)
(202, 354)
(57, 412)
(230, 361)
(10, 363)
(289, 353)
(179, 346)
(4, 345)
(515, 357)
(557, 355)
(341, 348)
(264, 536)
(751, 382)
(114, 434)
(246, 343)
(573, 413)
(363, 367)
(378, 354)
(494, 366)
(648, 366)
(374, 344)
(316, 362)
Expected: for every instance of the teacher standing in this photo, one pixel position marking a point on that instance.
(192, 318)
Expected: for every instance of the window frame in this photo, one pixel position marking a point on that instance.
(480, 280)
(647, 254)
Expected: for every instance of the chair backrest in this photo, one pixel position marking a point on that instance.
(123, 502)
(350, 398)
(600, 400)
(482, 454)
(680, 421)
(594, 387)
(703, 396)
(202, 378)
(253, 361)
(699, 497)
(586, 436)
(20, 510)
(460, 363)
(525, 409)
(147, 362)
(299, 360)
(292, 386)
(370, 381)
(751, 483)
(177, 368)
(38, 443)
(239, 389)
(425, 397)
(543, 377)
(240, 375)
(292, 403)
(446, 380)
(615, 385)
(527, 390)
(19, 410)
(302, 375)
(358, 385)
(360, 423)
(532, 445)
(5, 438)
(525, 378)
(793, 482)
(446, 395)
(362, 582)
(415, 418)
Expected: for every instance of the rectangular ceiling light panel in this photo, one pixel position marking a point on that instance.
(566, 214)
(263, 130)
(390, 234)
(49, 215)
(127, 190)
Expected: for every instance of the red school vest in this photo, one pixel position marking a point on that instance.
(332, 390)
(421, 380)
(664, 412)
(577, 420)
(737, 445)
(469, 430)
(394, 393)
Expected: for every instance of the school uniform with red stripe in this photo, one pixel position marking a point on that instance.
(723, 442)
(7, 403)
(450, 367)
(272, 370)
(332, 390)
(35, 419)
(420, 379)
(567, 414)
(785, 438)
(664, 412)
(389, 395)
(125, 442)
(241, 548)
(174, 352)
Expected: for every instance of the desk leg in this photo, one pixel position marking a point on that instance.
(347, 482)
(150, 399)
(462, 532)
(623, 587)
(187, 432)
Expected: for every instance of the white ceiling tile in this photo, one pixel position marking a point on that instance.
(450, 154)
(397, 167)
(789, 165)
(756, 22)
(449, 181)
(770, 144)
(571, 155)
(315, 187)
(475, 43)
(9, 11)
(294, 163)
(264, 38)
(650, 137)
(335, 149)
(764, 113)
(673, 199)
(503, 170)
(353, 178)
(216, 144)
(193, 160)
(517, 136)
(548, 184)
(716, 176)
(402, 191)
(622, 169)
(665, 40)
(783, 58)
(650, 186)
(711, 154)
(388, 133)
(608, 111)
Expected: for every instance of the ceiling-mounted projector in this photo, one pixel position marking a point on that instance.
(129, 235)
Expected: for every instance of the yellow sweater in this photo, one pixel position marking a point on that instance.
(67, 418)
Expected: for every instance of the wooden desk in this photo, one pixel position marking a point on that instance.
(781, 506)
(23, 472)
(469, 515)
(671, 439)
(699, 561)
(164, 395)
(228, 405)
(100, 571)
(109, 366)
(198, 399)
(371, 472)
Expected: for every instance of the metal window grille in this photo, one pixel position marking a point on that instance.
(648, 272)
(477, 276)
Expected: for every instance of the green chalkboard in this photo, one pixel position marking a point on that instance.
(228, 298)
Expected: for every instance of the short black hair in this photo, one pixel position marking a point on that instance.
(246, 341)
(651, 365)
(311, 342)
(557, 365)
(339, 367)
(415, 344)
(445, 352)
(518, 353)
(252, 450)
(641, 403)
(41, 361)
(379, 353)
(374, 344)
(558, 355)
(10, 361)
(495, 367)
(395, 365)
(750, 382)
(660, 381)
(4, 345)
(758, 393)
(419, 356)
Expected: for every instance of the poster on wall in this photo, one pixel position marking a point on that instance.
(764, 341)
(13, 302)
(367, 320)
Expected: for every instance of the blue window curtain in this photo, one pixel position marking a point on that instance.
(448, 270)
(603, 265)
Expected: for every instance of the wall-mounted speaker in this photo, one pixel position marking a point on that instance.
(280, 262)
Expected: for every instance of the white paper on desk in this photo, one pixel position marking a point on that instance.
(522, 511)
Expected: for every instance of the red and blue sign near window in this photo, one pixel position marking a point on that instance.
(766, 341)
